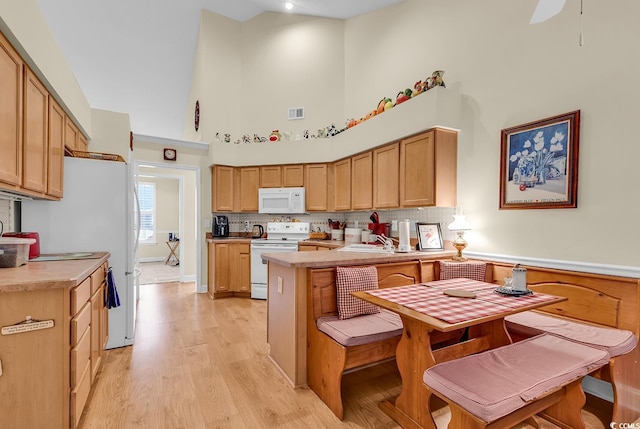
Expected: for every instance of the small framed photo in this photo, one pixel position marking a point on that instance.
(429, 236)
(539, 164)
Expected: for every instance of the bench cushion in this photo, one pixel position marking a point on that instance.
(497, 382)
(474, 270)
(615, 341)
(362, 329)
(354, 279)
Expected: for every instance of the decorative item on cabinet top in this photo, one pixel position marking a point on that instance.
(97, 155)
(436, 79)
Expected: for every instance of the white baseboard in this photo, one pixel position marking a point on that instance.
(153, 259)
(586, 267)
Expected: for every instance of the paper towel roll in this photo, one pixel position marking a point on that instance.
(403, 232)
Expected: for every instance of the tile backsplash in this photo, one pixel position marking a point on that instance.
(442, 215)
(7, 214)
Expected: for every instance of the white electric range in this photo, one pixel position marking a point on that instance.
(281, 237)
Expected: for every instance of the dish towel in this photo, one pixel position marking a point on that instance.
(113, 300)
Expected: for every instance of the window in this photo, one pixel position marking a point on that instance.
(147, 197)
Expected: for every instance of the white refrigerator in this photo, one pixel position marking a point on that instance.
(96, 213)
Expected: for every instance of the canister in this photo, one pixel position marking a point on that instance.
(352, 235)
(519, 276)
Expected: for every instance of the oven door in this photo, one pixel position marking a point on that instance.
(259, 266)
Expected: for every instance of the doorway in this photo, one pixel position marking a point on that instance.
(172, 252)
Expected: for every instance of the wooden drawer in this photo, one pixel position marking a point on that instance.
(80, 355)
(80, 394)
(80, 295)
(80, 323)
(97, 278)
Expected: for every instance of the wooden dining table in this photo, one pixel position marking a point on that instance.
(426, 311)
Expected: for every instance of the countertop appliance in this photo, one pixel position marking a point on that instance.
(258, 231)
(281, 237)
(97, 213)
(281, 200)
(220, 226)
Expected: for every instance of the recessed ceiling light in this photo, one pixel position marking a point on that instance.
(288, 5)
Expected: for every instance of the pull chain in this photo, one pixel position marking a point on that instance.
(581, 37)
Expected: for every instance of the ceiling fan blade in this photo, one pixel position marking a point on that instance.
(546, 9)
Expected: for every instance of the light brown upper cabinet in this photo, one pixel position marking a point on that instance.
(316, 180)
(34, 134)
(271, 176)
(55, 168)
(11, 114)
(428, 169)
(385, 176)
(362, 181)
(71, 133)
(249, 184)
(342, 184)
(222, 188)
(292, 176)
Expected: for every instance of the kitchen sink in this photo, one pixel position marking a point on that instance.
(362, 248)
(66, 256)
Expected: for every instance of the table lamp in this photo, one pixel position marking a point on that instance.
(459, 226)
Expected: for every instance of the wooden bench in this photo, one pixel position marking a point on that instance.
(508, 385)
(327, 359)
(597, 300)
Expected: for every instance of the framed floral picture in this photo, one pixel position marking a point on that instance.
(429, 236)
(539, 164)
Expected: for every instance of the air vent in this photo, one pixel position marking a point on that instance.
(296, 113)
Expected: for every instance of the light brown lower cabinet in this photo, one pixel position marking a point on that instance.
(229, 270)
(47, 374)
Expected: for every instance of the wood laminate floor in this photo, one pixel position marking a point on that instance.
(200, 363)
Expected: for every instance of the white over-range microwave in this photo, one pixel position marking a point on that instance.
(281, 200)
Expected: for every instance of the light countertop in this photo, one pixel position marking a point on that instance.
(49, 275)
(333, 258)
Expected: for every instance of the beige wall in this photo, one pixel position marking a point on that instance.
(110, 133)
(508, 73)
(188, 161)
(25, 26)
(246, 76)
(167, 213)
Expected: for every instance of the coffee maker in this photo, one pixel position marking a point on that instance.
(220, 226)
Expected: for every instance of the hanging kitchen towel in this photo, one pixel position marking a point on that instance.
(113, 300)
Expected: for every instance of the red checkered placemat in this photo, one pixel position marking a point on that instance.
(453, 310)
(461, 283)
(405, 294)
(513, 301)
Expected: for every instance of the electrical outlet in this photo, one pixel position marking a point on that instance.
(246, 224)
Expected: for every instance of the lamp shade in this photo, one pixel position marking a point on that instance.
(459, 223)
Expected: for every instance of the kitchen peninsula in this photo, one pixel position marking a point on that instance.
(54, 330)
(291, 279)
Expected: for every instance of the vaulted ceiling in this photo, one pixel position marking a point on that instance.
(136, 56)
